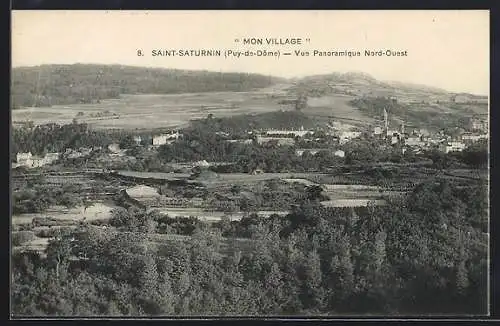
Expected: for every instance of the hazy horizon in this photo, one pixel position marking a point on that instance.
(448, 50)
(250, 72)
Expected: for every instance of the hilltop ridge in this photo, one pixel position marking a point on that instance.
(89, 83)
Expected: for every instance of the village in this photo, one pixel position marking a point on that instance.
(199, 190)
(306, 164)
(408, 139)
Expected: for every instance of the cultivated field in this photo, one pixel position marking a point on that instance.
(234, 178)
(212, 216)
(345, 187)
(305, 182)
(153, 175)
(337, 106)
(352, 202)
(98, 211)
(228, 178)
(153, 111)
(37, 244)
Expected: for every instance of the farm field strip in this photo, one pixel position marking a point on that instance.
(153, 175)
(352, 202)
(347, 187)
(226, 177)
(266, 176)
(37, 244)
(355, 195)
(212, 216)
(98, 211)
(158, 110)
(305, 182)
(336, 106)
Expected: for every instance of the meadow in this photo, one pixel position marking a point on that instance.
(152, 111)
(337, 106)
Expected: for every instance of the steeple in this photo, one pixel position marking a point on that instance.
(386, 122)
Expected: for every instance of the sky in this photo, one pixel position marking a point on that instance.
(445, 49)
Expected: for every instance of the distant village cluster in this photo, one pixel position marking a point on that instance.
(419, 139)
(410, 139)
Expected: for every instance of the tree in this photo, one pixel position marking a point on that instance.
(127, 142)
(70, 200)
(58, 252)
(235, 189)
(312, 289)
(315, 192)
(120, 217)
(462, 278)
(21, 237)
(273, 284)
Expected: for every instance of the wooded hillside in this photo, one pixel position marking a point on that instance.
(88, 83)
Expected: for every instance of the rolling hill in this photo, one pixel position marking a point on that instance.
(362, 84)
(361, 98)
(89, 83)
(156, 96)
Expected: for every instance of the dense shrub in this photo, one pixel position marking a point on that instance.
(21, 237)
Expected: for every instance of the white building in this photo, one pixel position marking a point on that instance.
(114, 148)
(339, 153)
(296, 133)
(51, 157)
(378, 131)
(24, 159)
(38, 162)
(300, 152)
(424, 133)
(474, 138)
(30, 161)
(452, 147)
(74, 154)
(85, 151)
(164, 138)
(346, 136)
(414, 141)
(137, 140)
(478, 124)
(391, 133)
(159, 140)
(202, 164)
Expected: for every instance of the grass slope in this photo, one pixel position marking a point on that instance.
(89, 83)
